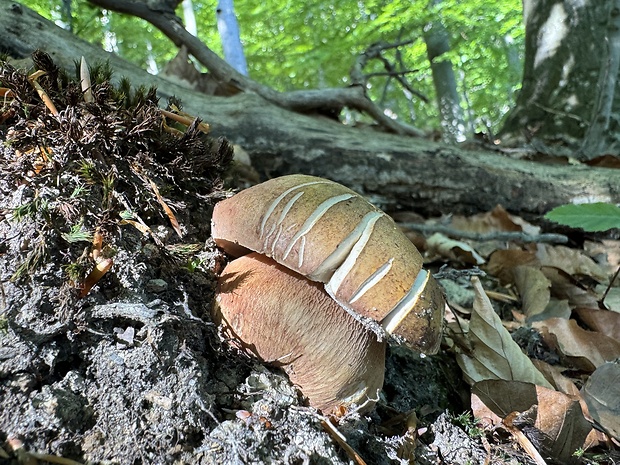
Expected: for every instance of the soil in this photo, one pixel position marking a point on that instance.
(134, 371)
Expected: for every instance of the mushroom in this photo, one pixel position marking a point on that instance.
(324, 233)
(287, 321)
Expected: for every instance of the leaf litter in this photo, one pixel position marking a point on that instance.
(568, 409)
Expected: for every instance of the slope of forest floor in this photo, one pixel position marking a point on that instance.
(107, 349)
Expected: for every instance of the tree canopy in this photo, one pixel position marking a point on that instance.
(317, 48)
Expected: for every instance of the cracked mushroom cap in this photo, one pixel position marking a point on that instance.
(332, 235)
(285, 320)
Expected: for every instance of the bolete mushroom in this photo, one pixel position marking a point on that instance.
(329, 234)
(287, 321)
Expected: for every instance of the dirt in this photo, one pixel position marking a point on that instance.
(134, 371)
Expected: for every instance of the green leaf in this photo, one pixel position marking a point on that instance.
(589, 216)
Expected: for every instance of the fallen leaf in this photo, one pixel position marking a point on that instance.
(572, 261)
(454, 250)
(167, 209)
(584, 350)
(564, 286)
(497, 219)
(602, 395)
(553, 374)
(556, 415)
(603, 321)
(100, 269)
(533, 288)
(493, 354)
(484, 414)
(555, 309)
(502, 262)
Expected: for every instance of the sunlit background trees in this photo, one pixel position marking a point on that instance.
(289, 46)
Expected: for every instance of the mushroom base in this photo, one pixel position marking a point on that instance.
(285, 320)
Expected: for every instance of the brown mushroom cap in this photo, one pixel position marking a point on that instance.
(330, 234)
(282, 318)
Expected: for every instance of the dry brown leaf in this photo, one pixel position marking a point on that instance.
(533, 288)
(564, 286)
(493, 354)
(556, 309)
(604, 252)
(454, 250)
(603, 321)
(583, 349)
(602, 395)
(553, 374)
(502, 262)
(167, 209)
(556, 415)
(497, 219)
(100, 269)
(484, 414)
(571, 261)
(143, 228)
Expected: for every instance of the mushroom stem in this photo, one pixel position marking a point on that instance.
(288, 321)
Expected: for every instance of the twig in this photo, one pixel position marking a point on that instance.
(611, 283)
(374, 52)
(494, 236)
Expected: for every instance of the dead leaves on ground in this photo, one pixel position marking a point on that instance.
(490, 352)
(567, 298)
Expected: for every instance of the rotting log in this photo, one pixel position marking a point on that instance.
(396, 172)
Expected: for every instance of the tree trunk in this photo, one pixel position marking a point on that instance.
(448, 100)
(189, 18)
(229, 34)
(595, 142)
(396, 172)
(565, 51)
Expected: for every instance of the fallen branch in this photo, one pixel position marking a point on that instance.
(354, 97)
(479, 237)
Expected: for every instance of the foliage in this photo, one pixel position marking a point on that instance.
(317, 48)
(589, 217)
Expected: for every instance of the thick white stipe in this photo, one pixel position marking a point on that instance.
(373, 279)
(313, 218)
(343, 270)
(278, 199)
(326, 269)
(400, 311)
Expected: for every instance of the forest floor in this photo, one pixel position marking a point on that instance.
(107, 349)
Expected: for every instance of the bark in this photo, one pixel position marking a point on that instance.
(334, 100)
(566, 48)
(228, 28)
(397, 172)
(189, 19)
(448, 100)
(595, 142)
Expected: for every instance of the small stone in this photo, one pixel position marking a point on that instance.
(157, 285)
